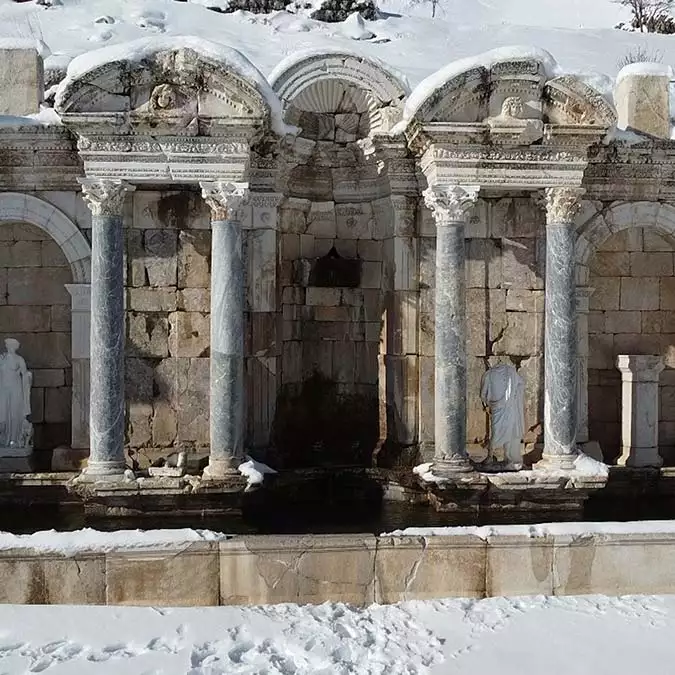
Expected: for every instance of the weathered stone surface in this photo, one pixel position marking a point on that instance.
(47, 580)
(321, 568)
(519, 565)
(38, 286)
(156, 577)
(152, 299)
(411, 568)
(639, 293)
(194, 255)
(642, 103)
(190, 334)
(22, 77)
(148, 334)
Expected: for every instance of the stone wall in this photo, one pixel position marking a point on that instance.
(168, 252)
(332, 266)
(35, 309)
(632, 311)
(505, 251)
(359, 569)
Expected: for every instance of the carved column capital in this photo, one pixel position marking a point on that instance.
(105, 197)
(225, 199)
(451, 204)
(563, 204)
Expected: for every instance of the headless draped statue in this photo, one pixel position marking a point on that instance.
(15, 384)
(502, 393)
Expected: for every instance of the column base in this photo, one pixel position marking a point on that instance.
(450, 468)
(555, 463)
(108, 471)
(640, 457)
(217, 469)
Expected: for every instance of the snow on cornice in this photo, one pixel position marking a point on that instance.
(654, 69)
(138, 50)
(437, 80)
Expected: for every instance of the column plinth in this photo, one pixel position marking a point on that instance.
(227, 329)
(640, 409)
(450, 207)
(105, 199)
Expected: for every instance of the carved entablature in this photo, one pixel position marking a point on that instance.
(506, 124)
(171, 106)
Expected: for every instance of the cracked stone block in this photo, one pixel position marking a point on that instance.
(181, 577)
(519, 565)
(43, 580)
(312, 569)
(415, 568)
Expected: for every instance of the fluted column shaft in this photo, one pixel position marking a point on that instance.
(105, 198)
(227, 328)
(560, 330)
(450, 207)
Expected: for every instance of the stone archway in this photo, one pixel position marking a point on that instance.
(22, 208)
(626, 280)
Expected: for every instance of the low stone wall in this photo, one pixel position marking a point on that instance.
(359, 569)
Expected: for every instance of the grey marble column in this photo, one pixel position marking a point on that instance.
(105, 198)
(227, 329)
(560, 331)
(450, 207)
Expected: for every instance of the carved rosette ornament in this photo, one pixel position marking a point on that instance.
(225, 199)
(563, 204)
(451, 204)
(105, 197)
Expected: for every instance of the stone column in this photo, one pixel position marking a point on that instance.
(640, 409)
(80, 312)
(105, 198)
(227, 328)
(450, 207)
(560, 331)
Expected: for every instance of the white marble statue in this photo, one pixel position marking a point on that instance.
(502, 393)
(15, 383)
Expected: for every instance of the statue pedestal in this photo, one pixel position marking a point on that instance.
(15, 452)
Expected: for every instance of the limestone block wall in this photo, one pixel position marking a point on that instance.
(168, 251)
(632, 311)
(328, 408)
(505, 253)
(35, 309)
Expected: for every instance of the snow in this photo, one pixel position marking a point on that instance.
(438, 79)
(510, 636)
(137, 50)
(85, 540)
(254, 472)
(655, 69)
(579, 33)
(354, 27)
(46, 117)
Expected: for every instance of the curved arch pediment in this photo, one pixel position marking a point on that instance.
(166, 81)
(501, 90)
(322, 82)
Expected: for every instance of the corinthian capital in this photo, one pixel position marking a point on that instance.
(451, 204)
(225, 199)
(105, 197)
(563, 204)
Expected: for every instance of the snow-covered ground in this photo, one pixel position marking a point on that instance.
(579, 33)
(517, 636)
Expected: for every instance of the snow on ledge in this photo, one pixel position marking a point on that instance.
(95, 541)
(46, 117)
(653, 69)
(437, 80)
(25, 43)
(574, 530)
(137, 50)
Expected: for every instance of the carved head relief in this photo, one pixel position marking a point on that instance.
(163, 97)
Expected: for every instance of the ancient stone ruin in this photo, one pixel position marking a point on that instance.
(317, 269)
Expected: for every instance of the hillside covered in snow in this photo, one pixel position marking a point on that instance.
(580, 34)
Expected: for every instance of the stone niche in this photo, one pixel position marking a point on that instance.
(505, 266)
(332, 248)
(35, 309)
(632, 311)
(168, 253)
